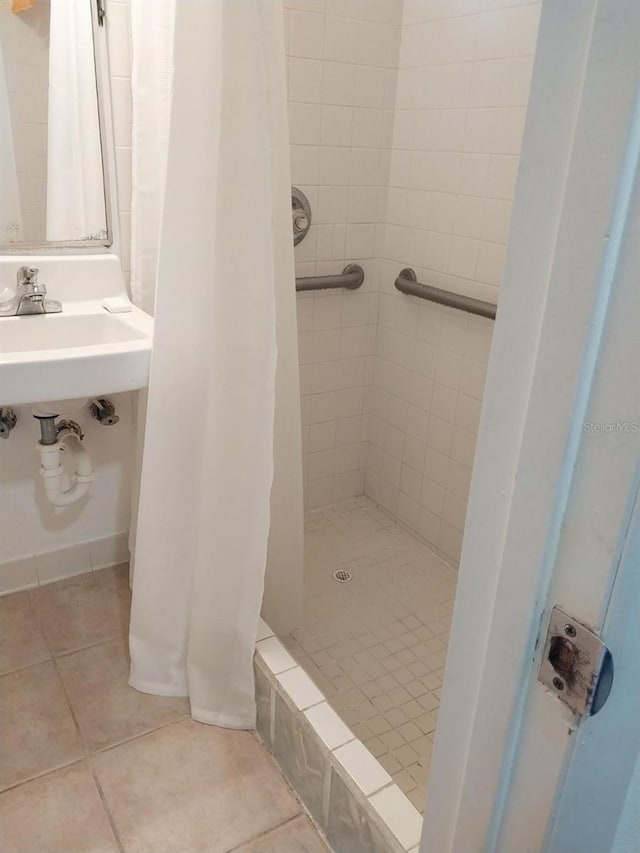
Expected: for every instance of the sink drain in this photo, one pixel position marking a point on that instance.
(342, 575)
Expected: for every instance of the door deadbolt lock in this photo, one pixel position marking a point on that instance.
(576, 664)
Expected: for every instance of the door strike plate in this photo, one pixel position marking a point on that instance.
(576, 664)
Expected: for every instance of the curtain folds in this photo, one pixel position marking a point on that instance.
(225, 272)
(75, 190)
(152, 34)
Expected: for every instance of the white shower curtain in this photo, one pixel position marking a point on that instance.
(152, 32)
(225, 270)
(75, 192)
(10, 213)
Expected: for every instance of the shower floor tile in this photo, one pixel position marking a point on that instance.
(376, 645)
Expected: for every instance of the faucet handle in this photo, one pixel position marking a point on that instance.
(27, 275)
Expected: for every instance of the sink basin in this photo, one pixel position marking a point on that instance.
(83, 351)
(57, 331)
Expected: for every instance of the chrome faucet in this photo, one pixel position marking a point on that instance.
(30, 294)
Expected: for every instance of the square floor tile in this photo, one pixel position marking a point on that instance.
(107, 709)
(37, 732)
(22, 642)
(58, 813)
(85, 610)
(297, 836)
(192, 787)
(377, 644)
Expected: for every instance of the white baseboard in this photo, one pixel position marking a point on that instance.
(37, 569)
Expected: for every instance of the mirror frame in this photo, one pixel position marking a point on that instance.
(105, 122)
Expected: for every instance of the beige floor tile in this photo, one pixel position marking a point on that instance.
(189, 787)
(37, 732)
(85, 610)
(297, 836)
(58, 813)
(107, 709)
(22, 642)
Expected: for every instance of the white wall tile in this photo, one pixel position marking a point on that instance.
(339, 39)
(18, 574)
(305, 80)
(109, 551)
(363, 768)
(300, 688)
(400, 815)
(304, 123)
(338, 83)
(121, 104)
(328, 725)
(263, 630)
(306, 34)
(63, 563)
(275, 656)
(118, 40)
(409, 139)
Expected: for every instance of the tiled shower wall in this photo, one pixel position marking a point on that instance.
(463, 87)
(342, 66)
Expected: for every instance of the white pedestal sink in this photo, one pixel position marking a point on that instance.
(85, 351)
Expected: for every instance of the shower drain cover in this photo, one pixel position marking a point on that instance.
(342, 575)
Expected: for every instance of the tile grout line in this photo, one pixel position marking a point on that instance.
(265, 833)
(138, 736)
(105, 804)
(69, 652)
(89, 754)
(48, 772)
(53, 661)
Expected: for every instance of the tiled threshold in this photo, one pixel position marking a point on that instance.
(347, 791)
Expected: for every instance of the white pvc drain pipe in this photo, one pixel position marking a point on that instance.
(55, 480)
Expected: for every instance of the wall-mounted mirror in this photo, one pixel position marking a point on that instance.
(52, 175)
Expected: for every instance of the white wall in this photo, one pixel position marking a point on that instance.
(24, 41)
(37, 542)
(462, 93)
(40, 543)
(342, 61)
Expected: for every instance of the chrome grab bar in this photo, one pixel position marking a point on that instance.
(351, 277)
(408, 283)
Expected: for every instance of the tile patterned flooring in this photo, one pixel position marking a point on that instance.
(376, 645)
(90, 765)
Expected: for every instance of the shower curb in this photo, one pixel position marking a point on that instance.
(347, 791)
